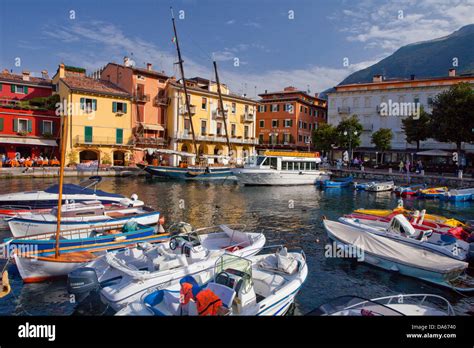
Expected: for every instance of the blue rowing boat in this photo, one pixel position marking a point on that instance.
(338, 183)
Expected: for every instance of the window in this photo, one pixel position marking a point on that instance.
(88, 105)
(233, 129)
(289, 108)
(219, 128)
(300, 124)
(286, 138)
(21, 125)
(416, 100)
(47, 127)
(119, 108)
(274, 123)
(313, 165)
(246, 109)
(234, 108)
(300, 138)
(203, 127)
(430, 101)
(275, 108)
(119, 136)
(19, 89)
(260, 138)
(246, 131)
(187, 124)
(261, 108)
(290, 165)
(1, 124)
(305, 125)
(273, 162)
(204, 103)
(288, 123)
(262, 123)
(88, 134)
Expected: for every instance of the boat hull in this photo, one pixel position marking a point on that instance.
(175, 173)
(257, 177)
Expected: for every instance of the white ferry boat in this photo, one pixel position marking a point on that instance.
(282, 168)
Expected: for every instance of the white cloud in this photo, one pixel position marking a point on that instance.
(231, 21)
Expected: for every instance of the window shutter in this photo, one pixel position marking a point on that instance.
(291, 123)
(12, 88)
(1, 85)
(124, 108)
(119, 136)
(25, 89)
(114, 107)
(30, 126)
(15, 125)
(41, 127)
(1, 124)
(83, 102)
(94, 104)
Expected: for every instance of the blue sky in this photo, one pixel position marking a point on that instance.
(273, 50)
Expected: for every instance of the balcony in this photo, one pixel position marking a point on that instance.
(344, 110)
(218, 115)
(218, 139)
(145, 141)
(182, 110)
(247, 117)
(100, 141)
(141, 98)
(160, 101)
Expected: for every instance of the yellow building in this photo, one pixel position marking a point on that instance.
(99, 118)
(208, 123)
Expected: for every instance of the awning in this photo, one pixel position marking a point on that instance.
(28, 141)
(171, 152)
(156, 127)
(434, 153)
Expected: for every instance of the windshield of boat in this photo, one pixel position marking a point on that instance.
(261, 160)
(235, 265)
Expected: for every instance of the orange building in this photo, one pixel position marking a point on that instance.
(149, 102)
(286, 119)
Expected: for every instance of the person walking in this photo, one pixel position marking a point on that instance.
(400, 166)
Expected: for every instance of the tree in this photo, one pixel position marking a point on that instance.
(324, 137)
(453, 115)
(382, 139)
(417, 129)
(350, 125)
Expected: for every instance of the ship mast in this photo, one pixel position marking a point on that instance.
(61, 180)
(221, 108)
(188, 104)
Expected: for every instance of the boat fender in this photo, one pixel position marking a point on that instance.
(5, 287)
(134, 197)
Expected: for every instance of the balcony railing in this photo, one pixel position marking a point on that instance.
(247, 117)
(148, 141)
(218, 138)
(216, 114)
(182, 110)
(160, 101)
(97, 140)
(141, 98)
(344, 109)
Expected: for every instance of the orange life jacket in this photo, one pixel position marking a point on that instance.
(186, 293)
(208, 303)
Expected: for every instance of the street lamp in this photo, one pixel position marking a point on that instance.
(350, 144)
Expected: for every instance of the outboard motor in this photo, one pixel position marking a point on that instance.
(81, 282)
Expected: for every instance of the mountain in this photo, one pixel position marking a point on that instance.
(424, 59)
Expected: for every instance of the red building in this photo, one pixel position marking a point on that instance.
(286, 119)
(28, 126)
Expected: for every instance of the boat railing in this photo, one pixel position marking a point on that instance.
(419, 299)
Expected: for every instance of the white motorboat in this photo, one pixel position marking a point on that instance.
(400, 229)
(395, 305)
(82, 215)
(380, 186)
(399, 257)
(259, 285)
(282, 168)
(126, 275)
(49, 197)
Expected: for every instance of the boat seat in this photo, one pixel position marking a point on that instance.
(115, 214)
(171, 300)
(225, 293)
(266, 282)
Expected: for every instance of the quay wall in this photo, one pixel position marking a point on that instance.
(53, 172)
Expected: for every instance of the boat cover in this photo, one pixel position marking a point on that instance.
(393, 250)
(72, 189)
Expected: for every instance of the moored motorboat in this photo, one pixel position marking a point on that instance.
(401, 258)
(338, 182)
(380, 186)
(275, 168)
(395, 305)
(126, 275)
(433, 192)
(82, 215)
(409, 190)
(258, 285)
(459, 195)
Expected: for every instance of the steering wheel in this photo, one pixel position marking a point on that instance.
(173, 243)
(226, 275)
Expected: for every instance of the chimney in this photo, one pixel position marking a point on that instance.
(316, 95)
(44, 74)
(266, 91)
(62, 71)
(412, 77)
(377, 78)
(149, 66)
(289, 89)
(452, 72)
(26, 75)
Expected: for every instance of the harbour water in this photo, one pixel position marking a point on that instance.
(288, 215)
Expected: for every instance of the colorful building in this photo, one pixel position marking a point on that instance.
(149, 100)
(29, 126)
(99, 118)
(207, 122)
(286, 119)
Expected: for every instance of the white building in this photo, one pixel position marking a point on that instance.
(369, 102)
